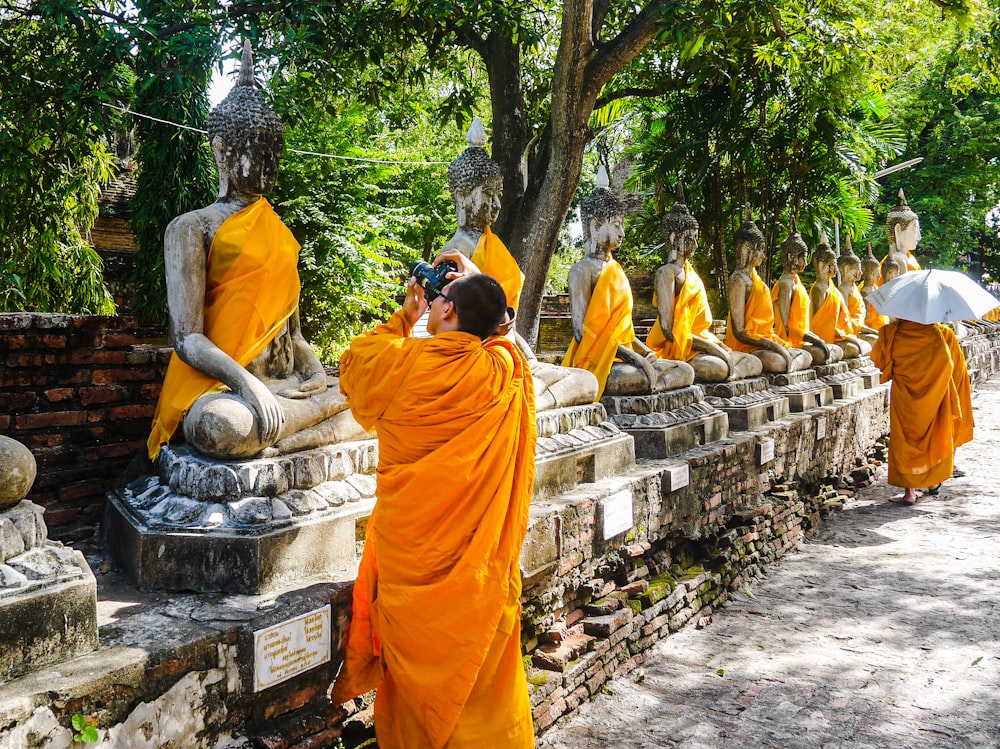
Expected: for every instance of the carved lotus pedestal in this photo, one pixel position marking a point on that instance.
(804, 390)
(251, 526)
(749, 403)
(669, 423)
(838, 376)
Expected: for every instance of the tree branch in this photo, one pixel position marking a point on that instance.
(617, 53)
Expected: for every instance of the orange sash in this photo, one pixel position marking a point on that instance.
(607, 325)
(251, 289)
(856, 309)
(494, 259)
(692, 317)
(436, 623)
(831, 321)
(798, 314)
(758, 317)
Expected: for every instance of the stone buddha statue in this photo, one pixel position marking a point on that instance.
(792, 305)
(750, 327)
(902, 227)
(831, 319)
(601, 306)
(849, 268)
(243, 381)
(682, 330)
(871, 277)
(476, 185)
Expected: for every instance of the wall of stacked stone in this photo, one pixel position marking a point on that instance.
(79, 392)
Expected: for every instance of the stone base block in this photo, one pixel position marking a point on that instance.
(831, 370)
(746, 414)
(564, 470)
(654, 443)
(846, 388)
(737, 388)
(800, 378)
(807, 399)
(263, 558)
(870, 380)
(47, 620)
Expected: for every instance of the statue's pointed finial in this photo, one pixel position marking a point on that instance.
(603, 181)
(870, 253)
(477, 133)
(680, 193)
(848, 247)
(246, 66)
(793, 227)
(746, 212)
(901, 203)
(823, 239)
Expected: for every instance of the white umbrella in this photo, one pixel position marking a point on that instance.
(928, 296)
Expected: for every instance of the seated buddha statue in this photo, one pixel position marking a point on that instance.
(902, 228)
(604, 340)
(750, 327)
(792, 306)
(242, 380)
(476, 185)
(831, 320)
(849, 267)
(683, 327)
(871, 278)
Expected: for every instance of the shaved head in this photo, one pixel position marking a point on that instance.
(480, 302)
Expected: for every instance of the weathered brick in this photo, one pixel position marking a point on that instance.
(604, 626)
(52, 419)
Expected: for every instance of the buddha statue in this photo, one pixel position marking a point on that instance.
(242, 380)
(792, 306)
(476, 185)
(830, 319)
(682, 330)
(750, 327)
(849, 268)
(902, 227)
(871, 278)
(604, 340)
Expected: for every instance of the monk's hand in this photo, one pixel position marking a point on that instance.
(465, 266)
(270, 417)
(415, 303)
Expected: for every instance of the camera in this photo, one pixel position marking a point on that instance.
(432, 280)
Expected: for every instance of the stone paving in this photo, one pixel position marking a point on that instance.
(881, 631)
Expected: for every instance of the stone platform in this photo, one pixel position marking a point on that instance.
(48, 596)
(749, 403)
(578, 445)
(249, 526)
(863, 367)
(804, 390)
(669, 423)
(838, 376)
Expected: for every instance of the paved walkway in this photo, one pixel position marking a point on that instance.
(880, 632)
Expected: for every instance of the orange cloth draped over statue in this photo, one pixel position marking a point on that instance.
(831, 321)
(911, 264)
(692, 317)
(873, 318)
(251, 289)
(607, 324)
(758, 318)
(436, 618)
(494, 259)
(930, 405)
(798, 314)
(856, 309)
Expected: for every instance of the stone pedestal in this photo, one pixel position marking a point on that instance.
(48, 596)
(863, 367)
(251, 526)
(667, 424)
(838, 376)
(749, 403)
(803, 389)
(578, 445)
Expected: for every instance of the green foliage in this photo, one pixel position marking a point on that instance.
(84, 729)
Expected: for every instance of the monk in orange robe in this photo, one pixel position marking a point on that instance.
(436, 618)
(930, 410)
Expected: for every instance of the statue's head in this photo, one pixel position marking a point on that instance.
(680, 229)
(893, 266)
(476, 182)
(871, 270)
(902, 226)
(849, 264)
(748, 242)
(602, 214)
(246, 136)
(793, 251)
(824, 259)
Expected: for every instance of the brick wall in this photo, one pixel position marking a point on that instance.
(79, 392)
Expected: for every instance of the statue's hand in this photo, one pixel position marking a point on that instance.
(270, 417)
(650, 371)
(307, 388)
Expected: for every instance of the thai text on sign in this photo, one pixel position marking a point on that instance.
(291, 647)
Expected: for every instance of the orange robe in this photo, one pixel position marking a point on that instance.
(875, 319)
(856, 309)
(607, 325)
(436, 612)
(692, 317)
(758, 318)
(798, 314)
(930, 407)
(251, 289)
(832, 321)
(494, 259)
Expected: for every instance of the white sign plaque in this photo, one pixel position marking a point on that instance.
(821, 428)
(677, 477)
(617, 513)
(291, 647)
(765, 451)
